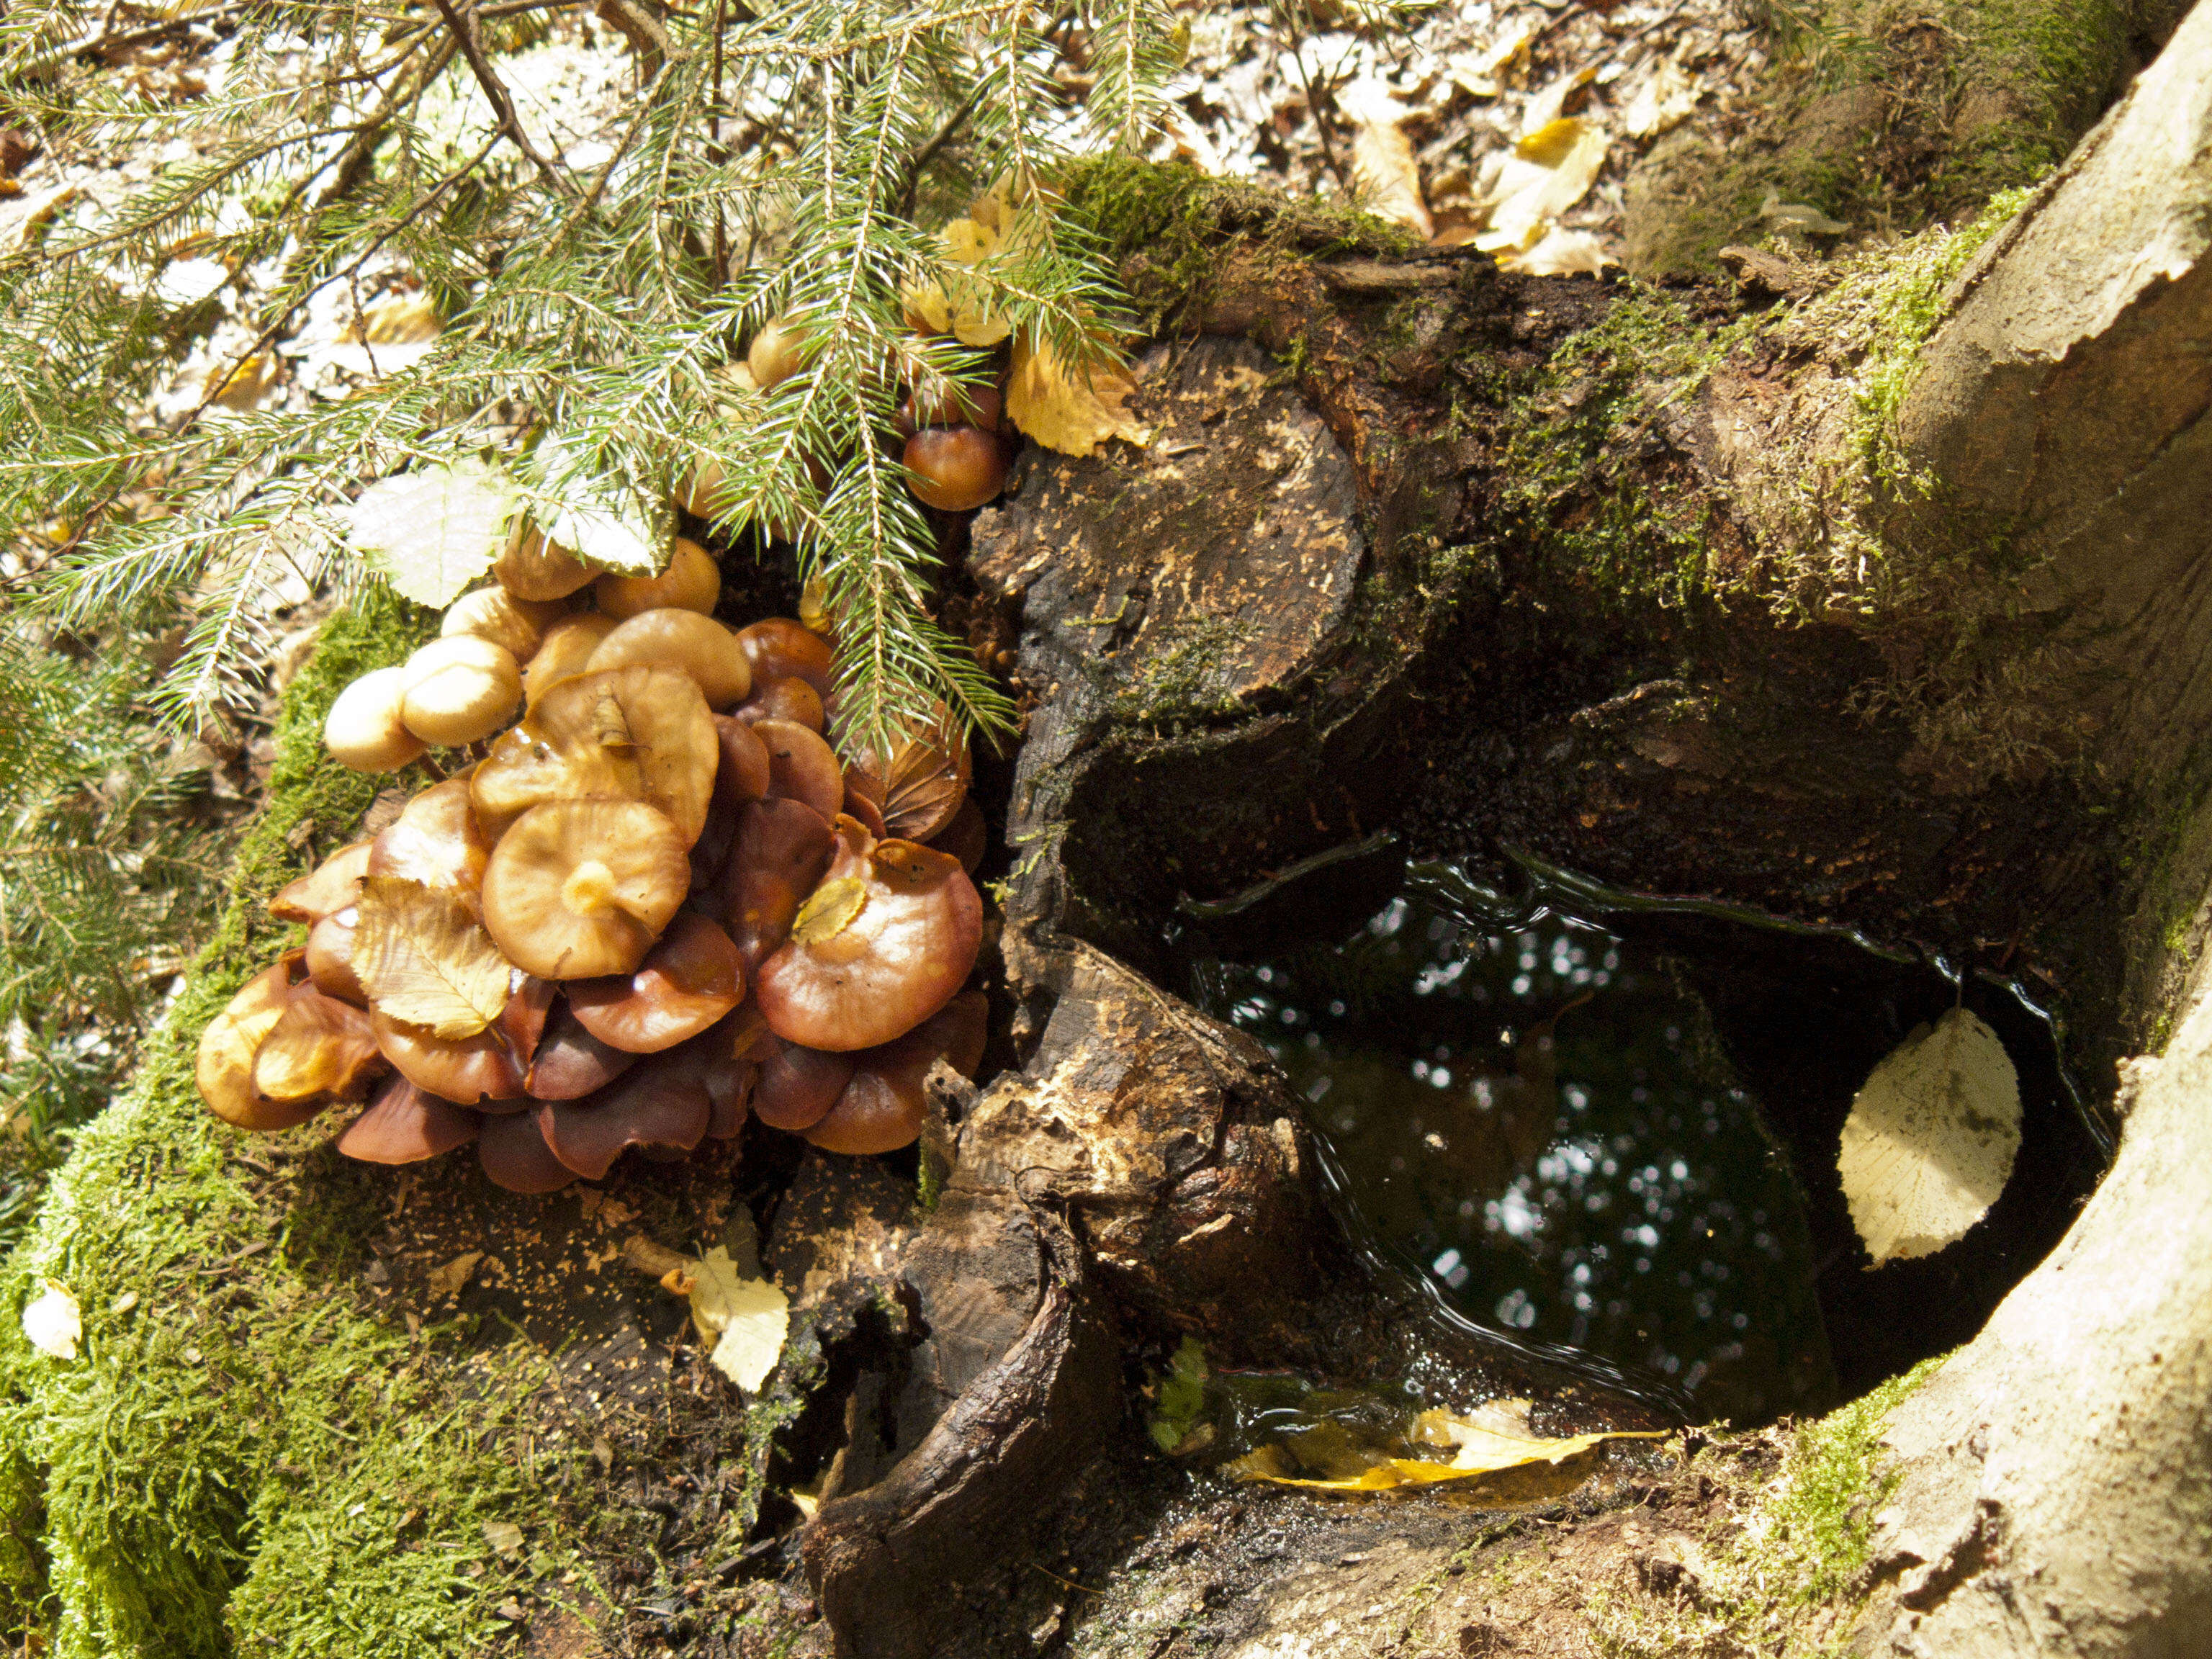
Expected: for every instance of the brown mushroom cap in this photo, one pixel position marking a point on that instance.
(562, 655)
(661, 1102)
(223, 1067)
(571, 1063)
(515, 1156)
(955, 468)
(436, 840)
(884, 1106)
(966, 838)
(692, 581)
(777, 353)
(405, 1124)
(669, 638)
(802, 766)
(860, 805)
(779, 646)
(797, 1086)
(882, 944)
(782, 847)
(333, 885)
(689, 980)
(743, 773)
(330, 958)
(522, 1021)
(578, 888)
(494, 614)
(366, 729)
(731, 1062)
(790, 698)
(468, 1072)
(536, 569)
(961, 404)
(922, 789)
(459, 688)
(623, 735)
(320, 1050)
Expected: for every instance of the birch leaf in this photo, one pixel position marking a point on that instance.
(1486, 1442)
(1559, 253)
(434, 532)
(1382, 165)
(424, 959)
(1048, 402)
(745, 1318)
(52, 1321)
(600, 519)
(1932, 1138)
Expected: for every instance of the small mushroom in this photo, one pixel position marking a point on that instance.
(562, 655)
(670, 638)
(460, 688)
(366, 730)
(692, 581)
(571, 1063)
(861, 804)
(797, 1086)
(319, 1051)
(955, 468)
(333, 885)
(966, 838)
(632, 734)
(330, 958)
(884, 1106)
(578, 888)
(405, 1124)
(782, 847)
(779, 646)
(689, 979)
(661, 1102)
(492, 613)
(922, 789)
(790, 698)
(744, 773)
(884, 943)
(468, 1071)
(536, 569)
(436, 840)
(777, 353)
(515, 1156)
(955, 405)
(223, 1066)
(802, 766)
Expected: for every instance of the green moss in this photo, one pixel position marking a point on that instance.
(1181, 682)
(242, 1459)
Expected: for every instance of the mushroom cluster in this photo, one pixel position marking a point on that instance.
(658, 903)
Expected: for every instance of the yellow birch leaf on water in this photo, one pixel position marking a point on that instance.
(1932, 1138)
(1489, 1441)
(746, 1319)
(424, 959)
(1048, 404)
(52, 1323)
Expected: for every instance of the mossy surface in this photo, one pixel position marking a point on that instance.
(241, 1459)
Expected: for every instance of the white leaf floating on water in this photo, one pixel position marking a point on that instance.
(434, 532)
(746, 1319)
(1932, 1138)
(50, 1319)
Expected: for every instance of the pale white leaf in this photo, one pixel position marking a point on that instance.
(188, 281)
(434, 532)
(600, 519)
(1663, 102)
(1797, 216)
(1932, 1138)
(1548, 174)
(1559, 253)
(50, 1319)
(746, 1319)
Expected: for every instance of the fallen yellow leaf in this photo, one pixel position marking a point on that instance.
(424, 959)
(1048, 402)
(1489, 1441)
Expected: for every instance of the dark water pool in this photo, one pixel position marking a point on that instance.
(1537, 1115)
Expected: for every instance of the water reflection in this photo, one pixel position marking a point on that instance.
(1536, 1119)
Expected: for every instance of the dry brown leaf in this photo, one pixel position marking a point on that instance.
(1049, 404)
(424, 959)
(1384, 169)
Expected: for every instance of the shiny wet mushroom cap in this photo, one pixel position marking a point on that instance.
(468, 1071)
(436, 840)
(405, 1124)
(660, 1102)
(562, 655)
(955, 468)
(578, 888)
(777, 353)
(670, 638)
(884, 1106)
(460, 688)
(779, 646)
(797, 1086)
(536, 569)
(781, 848)
(333, 885)
(632, 734)
(742, 775)
(802, 766)
(789, 698)
(495, 614)
(571, 1063)
(330, 958)
(515, 1156)
(319, 1051)
(223, 1067)
(692, 581)
(884, 942)
(689, 979)
(366, 730)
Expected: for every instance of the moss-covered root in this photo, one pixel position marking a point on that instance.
(238, 1460)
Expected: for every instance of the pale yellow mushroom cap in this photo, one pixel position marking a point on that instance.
(669, 638)
(365, 729)
(460, 688)
(692, 581)
(495, 614)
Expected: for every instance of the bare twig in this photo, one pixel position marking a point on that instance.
(464, 26)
